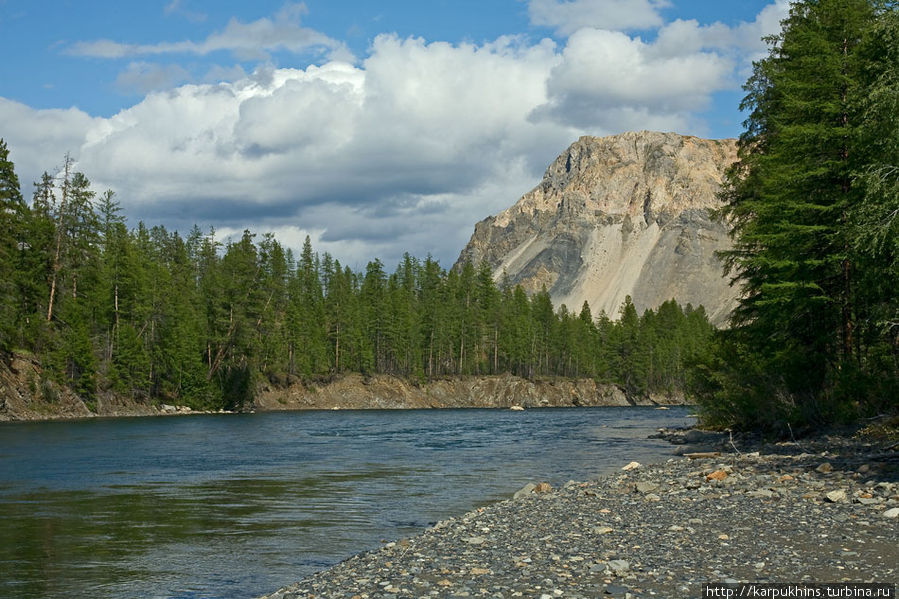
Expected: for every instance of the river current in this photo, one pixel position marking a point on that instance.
(236, 506)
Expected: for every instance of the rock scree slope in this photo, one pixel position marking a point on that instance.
(627, 214)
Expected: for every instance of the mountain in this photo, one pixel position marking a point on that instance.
(615, 216)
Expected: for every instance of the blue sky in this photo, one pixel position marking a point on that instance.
(374, 127)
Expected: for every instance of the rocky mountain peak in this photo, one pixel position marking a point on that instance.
(614, 216)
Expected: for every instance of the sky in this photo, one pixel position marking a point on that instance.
(376, 128)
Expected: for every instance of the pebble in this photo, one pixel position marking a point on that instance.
(717, 475)
(660, 530)
(836, 496)
(646, 486)
(619, 567)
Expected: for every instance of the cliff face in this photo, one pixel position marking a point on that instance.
(615, 216)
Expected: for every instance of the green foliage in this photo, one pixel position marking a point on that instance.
(804, 346)
(12, 208)
(197, 322)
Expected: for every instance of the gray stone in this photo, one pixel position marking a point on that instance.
(761, 493)
(891, 513)
(837, 496)
(868, 500)
(524, 491)
(619, 567)
(615, 590)
(646, 487)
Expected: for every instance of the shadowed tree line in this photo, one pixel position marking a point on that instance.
(151, 314)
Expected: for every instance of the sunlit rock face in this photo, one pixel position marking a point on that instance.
(622, 215)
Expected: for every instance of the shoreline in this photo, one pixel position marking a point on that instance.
(19, 402)
(822, 510)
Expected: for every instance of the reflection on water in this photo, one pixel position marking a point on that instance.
(236, 506)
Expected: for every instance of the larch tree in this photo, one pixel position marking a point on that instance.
(790, 199)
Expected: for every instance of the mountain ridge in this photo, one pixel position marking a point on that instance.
(626, 214)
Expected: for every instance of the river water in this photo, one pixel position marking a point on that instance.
(235, 506)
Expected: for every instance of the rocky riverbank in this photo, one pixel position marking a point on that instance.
(821, 510)
(355, 392)
(26, 394)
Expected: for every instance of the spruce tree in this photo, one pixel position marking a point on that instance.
(12, 212)
(790, 199)
(875, 221)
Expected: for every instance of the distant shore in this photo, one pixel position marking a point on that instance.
(20, 400)
(823, 510)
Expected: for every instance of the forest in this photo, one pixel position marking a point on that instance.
(813, 203)
(195, 321)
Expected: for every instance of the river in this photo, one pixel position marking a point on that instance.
(235, 506)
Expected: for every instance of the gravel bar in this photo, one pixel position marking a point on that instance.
(823, 511)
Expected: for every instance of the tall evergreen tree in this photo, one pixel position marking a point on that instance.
(12, 213)
(876, 219)
(790, 198)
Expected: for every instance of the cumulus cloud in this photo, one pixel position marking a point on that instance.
(744, 41)
(404, 151)
(609, 79)
(39, 139)
(567, 16)
(247, 41)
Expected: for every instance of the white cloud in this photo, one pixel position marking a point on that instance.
(567, 16)
(403, 152)
(39, 139)
(609, 79)
(744, 40)
(247, 41)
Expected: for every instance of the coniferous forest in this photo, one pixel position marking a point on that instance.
(814, 205)
(189, 320)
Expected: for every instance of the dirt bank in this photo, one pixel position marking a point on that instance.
(26, 393)
(502, 391)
